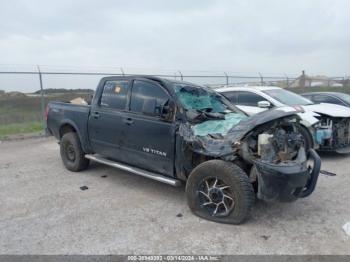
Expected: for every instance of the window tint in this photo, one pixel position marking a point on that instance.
(326, 99)
(310, 97)
(143, 92)
(286, 97)
(114, 94)
(232, 96)
(249, 99)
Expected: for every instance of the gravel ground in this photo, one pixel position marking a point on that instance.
(44, 211)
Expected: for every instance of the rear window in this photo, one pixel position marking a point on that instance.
(326, 99)
(114, 94)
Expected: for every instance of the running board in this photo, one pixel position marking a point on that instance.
(135, 170)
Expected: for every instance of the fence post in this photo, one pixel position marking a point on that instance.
(182, 78)
(226, 78)
(261, 79)
(42, 101)
(287, 81)
(121, 70)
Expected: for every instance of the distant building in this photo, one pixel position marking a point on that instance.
(305, 80)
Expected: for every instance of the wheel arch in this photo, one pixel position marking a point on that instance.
(309, 131)
(66, 128)
(69, 126)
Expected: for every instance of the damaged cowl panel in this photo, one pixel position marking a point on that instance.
(271, 144)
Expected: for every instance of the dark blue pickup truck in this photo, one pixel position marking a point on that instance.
(178, 132)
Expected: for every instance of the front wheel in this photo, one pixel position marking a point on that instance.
(220, 191)
(71, 153)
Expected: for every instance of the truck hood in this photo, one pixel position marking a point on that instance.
(328, 109)
(218, 144)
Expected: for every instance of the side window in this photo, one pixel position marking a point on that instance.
(310, 97)
(232, 96)
(145, 95)
(326, 99)
(249, 99)
(114, 94)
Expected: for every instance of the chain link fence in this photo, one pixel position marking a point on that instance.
(24, 94)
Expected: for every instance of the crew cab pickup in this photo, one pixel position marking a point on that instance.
(178, 132)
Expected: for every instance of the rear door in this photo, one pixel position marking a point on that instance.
(149, 139)
(106, 125)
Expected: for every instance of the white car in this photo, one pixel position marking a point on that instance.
(331, 133)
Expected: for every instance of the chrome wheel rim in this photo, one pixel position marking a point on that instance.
(215, 196)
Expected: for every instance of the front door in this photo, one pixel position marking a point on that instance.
(150, 140)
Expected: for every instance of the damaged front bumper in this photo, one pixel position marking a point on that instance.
(287, 182)
(333, 135)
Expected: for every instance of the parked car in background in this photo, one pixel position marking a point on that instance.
(328, 97)
(331, 133)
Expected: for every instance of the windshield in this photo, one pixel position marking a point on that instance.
(203, 105)
(202, 99)
(287, 97)
(345, 97)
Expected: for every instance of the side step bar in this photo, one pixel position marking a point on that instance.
(135, 170)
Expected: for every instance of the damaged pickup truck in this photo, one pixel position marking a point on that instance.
(176, 132)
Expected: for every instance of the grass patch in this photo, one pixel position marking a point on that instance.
(20, 128)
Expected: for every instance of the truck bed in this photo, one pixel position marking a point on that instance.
(60, 113)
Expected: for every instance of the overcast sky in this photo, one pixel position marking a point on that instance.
(272, 37)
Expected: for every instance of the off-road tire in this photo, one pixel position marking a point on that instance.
(70, 141)
(233, 176)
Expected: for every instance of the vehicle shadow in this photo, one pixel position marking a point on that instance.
(133, 181)
(262, 213)
(332, 155)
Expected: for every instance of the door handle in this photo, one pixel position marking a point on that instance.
(96, 115)
(128, 121)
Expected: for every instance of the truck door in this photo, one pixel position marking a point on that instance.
(150, 140)
(106, 128)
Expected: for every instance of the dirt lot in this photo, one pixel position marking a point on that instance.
(44, 211)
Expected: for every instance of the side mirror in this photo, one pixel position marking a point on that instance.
(168, 110)
(264, 104)
(149, 106)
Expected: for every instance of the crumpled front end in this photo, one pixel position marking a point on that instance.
(333, 134)
(268, 146)
(287, 182)
(281, 166)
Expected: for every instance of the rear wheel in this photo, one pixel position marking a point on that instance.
(220, 191)
(71, 153)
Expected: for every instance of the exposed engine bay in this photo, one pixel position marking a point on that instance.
(334, 134)
(277, 142)
(277, 150)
